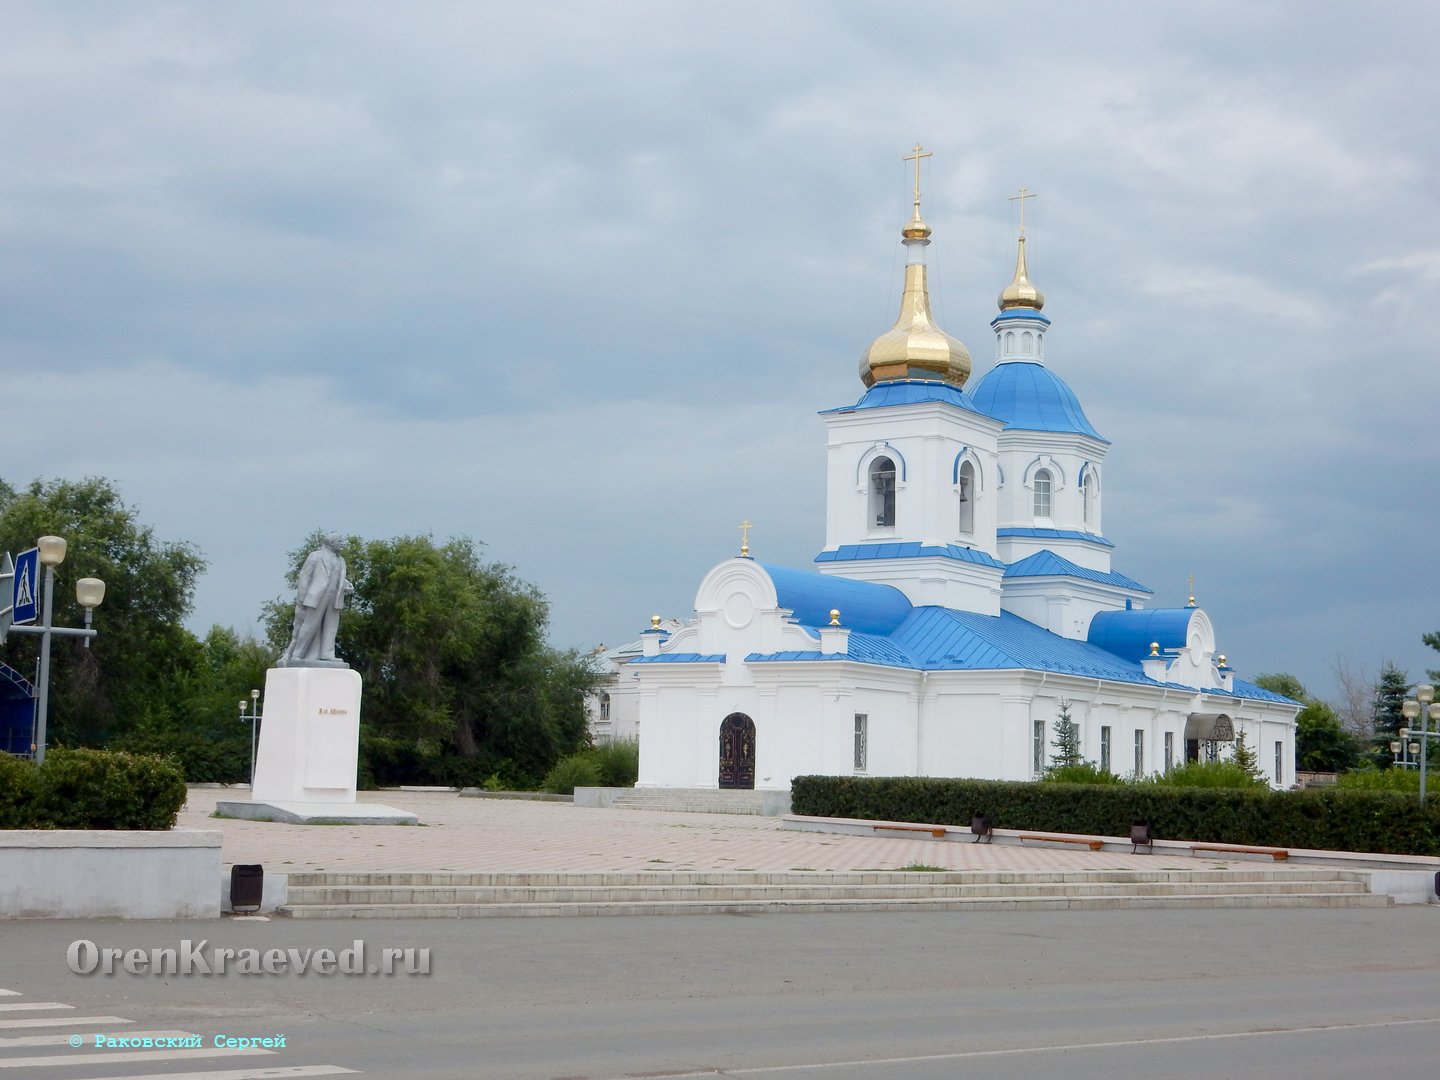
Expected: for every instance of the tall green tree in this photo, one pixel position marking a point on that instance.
(1433, 640)
(137, 669)
(460, 684)
(1321, 742)
(1391, 690)
(1066, 743)
(203, 729)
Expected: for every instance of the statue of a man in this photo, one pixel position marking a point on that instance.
(319, 595)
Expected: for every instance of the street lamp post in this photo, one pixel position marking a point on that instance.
(254, 717)
(89, 592)
(1425, 708)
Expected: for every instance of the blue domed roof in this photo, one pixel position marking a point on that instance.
(1027, 395)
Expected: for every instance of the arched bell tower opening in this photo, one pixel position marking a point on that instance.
(882, 493)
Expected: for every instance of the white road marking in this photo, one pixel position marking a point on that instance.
(89, 1037)
(279, 1072)
(33, 1006)
(10, 993)
(125, 1057)
(62, 1021)
(963, 1055)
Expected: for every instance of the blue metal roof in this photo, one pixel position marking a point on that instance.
(909, 392)
(907, 550)
(1055, 534)
(1020, 313)
(864, 605)
(941, 639)
(1048, 564)
(1029, 396)
(1128, 634)
(1243, 689)
(681, 658)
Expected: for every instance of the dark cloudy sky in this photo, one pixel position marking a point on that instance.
(573, 279)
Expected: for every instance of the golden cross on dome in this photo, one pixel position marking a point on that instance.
(745, 528)
(915, 156)
(1024, 194)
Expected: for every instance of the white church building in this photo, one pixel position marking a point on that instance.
(963, 595)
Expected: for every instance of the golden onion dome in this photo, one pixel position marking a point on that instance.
(915, 348)
(1020, 293)
(915, 228)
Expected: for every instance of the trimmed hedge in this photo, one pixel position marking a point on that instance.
(1326, 819)
(90, 789)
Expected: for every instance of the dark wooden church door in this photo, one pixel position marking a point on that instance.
(737, 751)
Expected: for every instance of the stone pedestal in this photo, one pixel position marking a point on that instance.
(306, 766)
(309, 736)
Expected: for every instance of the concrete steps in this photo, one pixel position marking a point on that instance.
(459, 895)
(692, 800)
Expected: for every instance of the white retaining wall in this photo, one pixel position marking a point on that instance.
(100, 874)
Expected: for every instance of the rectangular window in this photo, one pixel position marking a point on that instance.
(1169, 750)
(1279, 762)
(1105, 749)
(1139, 752)
(1037, 750)
(862, 735)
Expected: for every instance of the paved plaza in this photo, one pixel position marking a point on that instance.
(468, 834)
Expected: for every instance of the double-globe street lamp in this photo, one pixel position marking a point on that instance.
(1425, 708)
(89, 592)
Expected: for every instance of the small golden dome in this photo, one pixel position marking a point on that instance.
(915, 228)
(915, 348)
(1020, 293)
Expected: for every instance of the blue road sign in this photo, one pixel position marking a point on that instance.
(25, 589)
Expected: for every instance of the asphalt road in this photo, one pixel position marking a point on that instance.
(1259, 994)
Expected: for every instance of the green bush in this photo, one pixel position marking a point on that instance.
(1083, 773)
(1373, 779)
(1327, 819)
(19, 787)
(577, 770)
(1208, 774)
(618, 762)
(90, 789)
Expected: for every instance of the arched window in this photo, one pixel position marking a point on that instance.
(967, 498)
(1009, 341)
(882, 492)
(1087, 493)
(1041, 482)
(1027, 343)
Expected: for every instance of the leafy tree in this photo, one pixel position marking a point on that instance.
(204, 731)
(1391, 689)
(1067, 741)
(1321, 742)
(1285, 684)
(1433, 640)
(459, 682)
(137, 668)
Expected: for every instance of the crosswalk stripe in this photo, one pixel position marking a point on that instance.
(279, 1072)
(125, 1057)
(274, 1073)
(34, 1006)
(61, 1021)
(64, 1040)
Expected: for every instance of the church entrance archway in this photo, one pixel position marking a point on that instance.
(737, 751)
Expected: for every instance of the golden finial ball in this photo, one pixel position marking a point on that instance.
(654, 622)
(834, 616)
(1154, 648)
